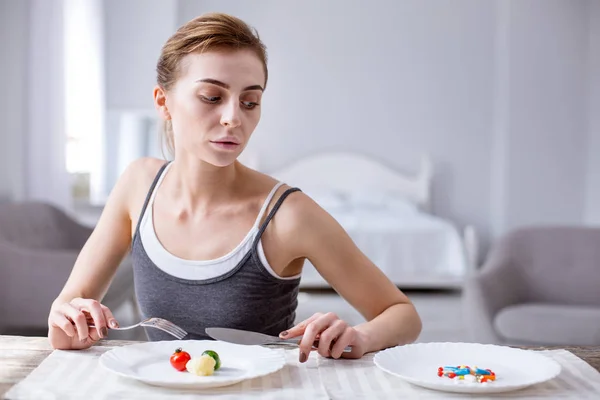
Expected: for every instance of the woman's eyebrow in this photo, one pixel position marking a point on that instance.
(226, 86)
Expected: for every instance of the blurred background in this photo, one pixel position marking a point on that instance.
(492, 106)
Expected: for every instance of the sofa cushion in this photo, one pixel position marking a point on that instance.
(549, 324)
(36, 225)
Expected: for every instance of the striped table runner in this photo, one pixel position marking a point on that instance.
(77, 374)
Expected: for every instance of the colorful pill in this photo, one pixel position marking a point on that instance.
(462, 371)
(467, 374)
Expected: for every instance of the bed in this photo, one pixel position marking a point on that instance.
(388, 215)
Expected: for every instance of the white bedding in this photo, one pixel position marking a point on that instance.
(406, 244)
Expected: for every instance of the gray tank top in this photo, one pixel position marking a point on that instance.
(246, 297)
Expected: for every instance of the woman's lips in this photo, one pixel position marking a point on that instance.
(225, 145)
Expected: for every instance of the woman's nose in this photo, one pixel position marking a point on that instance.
(231, 115)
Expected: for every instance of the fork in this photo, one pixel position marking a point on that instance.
(155, 322)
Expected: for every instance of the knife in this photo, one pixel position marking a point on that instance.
(239, 336)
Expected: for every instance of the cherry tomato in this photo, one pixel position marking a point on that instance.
(179, 359)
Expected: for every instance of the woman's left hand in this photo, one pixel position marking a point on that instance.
(333, 336)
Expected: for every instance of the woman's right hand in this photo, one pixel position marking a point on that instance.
(68, 324)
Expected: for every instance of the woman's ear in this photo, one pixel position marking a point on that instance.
(160, 103)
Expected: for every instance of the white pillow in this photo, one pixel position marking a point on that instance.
(381, 200)
(328, 199)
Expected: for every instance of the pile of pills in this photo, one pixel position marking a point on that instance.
(467, 374)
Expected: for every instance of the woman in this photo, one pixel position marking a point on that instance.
(213, 242)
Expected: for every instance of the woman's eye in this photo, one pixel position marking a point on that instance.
(249, 104)
(211, 99)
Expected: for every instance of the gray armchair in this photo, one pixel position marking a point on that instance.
(39, 244)
(539, 286)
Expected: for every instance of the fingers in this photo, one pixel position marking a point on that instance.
(78, 318)
(313, 329)
(69, 324)
(109, 317)
(60, 321)
(333, 335)
(330, 337)
(74, 317)
(97, 312)
(299, 328)
(94, 336)
(346, 338)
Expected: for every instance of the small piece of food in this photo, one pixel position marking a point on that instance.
(216, 357)
(179, 359)
(201, 366)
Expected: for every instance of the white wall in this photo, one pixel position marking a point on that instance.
(14, 37)
(135, 32)
(546, 156)
(593, 165)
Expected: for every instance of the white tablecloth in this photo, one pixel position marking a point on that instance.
(77, 375)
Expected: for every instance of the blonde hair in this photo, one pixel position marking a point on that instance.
(208, 32)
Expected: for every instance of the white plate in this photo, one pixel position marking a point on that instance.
(148, 362)
(515, 368)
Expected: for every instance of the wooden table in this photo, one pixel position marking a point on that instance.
(33, 350)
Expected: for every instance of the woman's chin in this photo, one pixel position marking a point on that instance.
(220, 160)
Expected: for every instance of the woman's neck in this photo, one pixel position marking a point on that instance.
(202, 187)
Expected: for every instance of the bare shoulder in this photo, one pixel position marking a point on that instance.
(300, 219)
(297, 212)
(297, 215)
(135, 182)
(142, 171)
(298, 207)
(126, 199)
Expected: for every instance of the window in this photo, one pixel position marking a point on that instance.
(84, 97)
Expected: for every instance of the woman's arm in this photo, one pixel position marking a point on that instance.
(96, 265)
(392, 318)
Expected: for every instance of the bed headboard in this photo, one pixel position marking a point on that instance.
(344, 172)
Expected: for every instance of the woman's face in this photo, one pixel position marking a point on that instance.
(215, 104)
